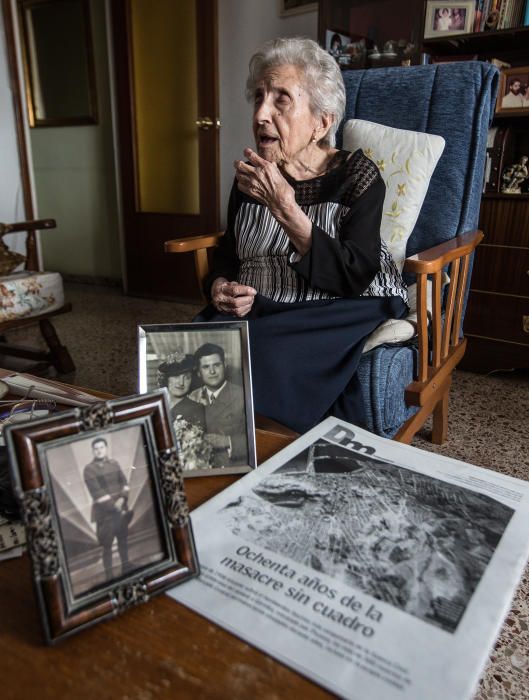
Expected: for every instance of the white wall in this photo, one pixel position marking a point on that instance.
(243, 26)
(76, 184)
(11, 194)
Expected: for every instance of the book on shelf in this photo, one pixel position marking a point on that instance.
(478, 15)
(503, 11)
(525, 21)
(373, 568)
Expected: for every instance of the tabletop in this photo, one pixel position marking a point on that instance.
(159, 649)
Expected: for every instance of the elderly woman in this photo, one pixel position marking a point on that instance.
(302, 258)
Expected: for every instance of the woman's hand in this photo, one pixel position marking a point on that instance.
(263, 181)
(232, 297)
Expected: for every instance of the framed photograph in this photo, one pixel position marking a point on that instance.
(513, 93)
(205, 368)
(336, 43)
(102, 499)
(446, 18)
(296, 7)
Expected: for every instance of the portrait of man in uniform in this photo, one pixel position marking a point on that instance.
(110, 508)
(108, 515)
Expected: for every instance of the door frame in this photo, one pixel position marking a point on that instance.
(125, 130)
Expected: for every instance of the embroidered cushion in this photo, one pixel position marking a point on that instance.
(26, 294)
(406, 160)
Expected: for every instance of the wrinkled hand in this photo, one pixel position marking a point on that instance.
(263, 181)
(232, 297)
(218, 442)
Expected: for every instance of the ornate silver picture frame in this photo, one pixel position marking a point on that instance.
(206, 370)
(103, 502)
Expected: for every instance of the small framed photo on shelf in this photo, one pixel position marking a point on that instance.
(447, 18)
(102, 499)
(296, 7)
(336, 43)
(205, 368)
(513, 93)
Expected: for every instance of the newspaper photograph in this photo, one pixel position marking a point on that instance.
(374, 568)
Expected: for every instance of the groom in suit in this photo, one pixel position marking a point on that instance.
(224, 408)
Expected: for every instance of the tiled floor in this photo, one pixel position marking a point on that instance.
(489, 426)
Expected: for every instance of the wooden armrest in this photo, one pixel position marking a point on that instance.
(36, 225)
(437, 358)
(434, 259)
(188, 245)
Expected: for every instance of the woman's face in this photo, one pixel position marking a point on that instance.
(179, 386)
(283, 124)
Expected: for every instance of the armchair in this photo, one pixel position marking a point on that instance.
(31, 296)
(404, 383)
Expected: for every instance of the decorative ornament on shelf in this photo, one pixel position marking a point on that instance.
(514, 176)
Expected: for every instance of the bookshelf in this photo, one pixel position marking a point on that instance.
(497, 316)
(486, 44)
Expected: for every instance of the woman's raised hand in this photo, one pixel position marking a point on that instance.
(232, 297)
(263, 181)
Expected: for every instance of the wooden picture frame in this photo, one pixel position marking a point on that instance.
(296, 7)
(129, 494)
(506, 102)
(211, 410)
(448, 18)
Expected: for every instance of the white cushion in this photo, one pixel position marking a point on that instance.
(26, 294)
(406, 160)
(400, 330)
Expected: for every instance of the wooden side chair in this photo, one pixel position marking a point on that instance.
(29, 297)
(406, 382)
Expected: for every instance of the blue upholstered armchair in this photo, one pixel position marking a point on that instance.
(454, 100)
(404, 383)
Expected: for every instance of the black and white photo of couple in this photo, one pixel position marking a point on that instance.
(202, 372)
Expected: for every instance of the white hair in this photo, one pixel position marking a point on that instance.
(322, 78)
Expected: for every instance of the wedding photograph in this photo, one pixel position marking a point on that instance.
(205, 369)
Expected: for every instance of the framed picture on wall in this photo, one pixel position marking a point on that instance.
(296, 7)
(447, 18)
(205, 368)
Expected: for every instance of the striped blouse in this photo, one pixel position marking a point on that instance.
(347, 257)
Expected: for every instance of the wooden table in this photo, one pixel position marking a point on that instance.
(157, 650)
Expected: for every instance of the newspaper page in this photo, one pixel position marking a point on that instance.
(373, 568)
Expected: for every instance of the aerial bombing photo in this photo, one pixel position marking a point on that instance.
(415, 542)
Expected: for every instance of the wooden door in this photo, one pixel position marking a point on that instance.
(165, 58)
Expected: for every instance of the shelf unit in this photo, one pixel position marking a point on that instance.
(486, 44)
(497, 316)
